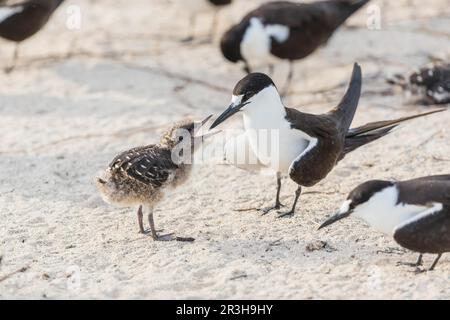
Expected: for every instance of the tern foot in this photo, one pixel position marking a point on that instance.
(8, 70)
(187, 39)
(418, 263)
(265, 211)
(420, 270)
(408, 264)
(288, 214)
(171, 237)
(392, 251)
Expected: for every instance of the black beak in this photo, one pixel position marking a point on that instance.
(232, 109)
(335, 218)
(206, 135)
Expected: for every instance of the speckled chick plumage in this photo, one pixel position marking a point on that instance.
(140, 176)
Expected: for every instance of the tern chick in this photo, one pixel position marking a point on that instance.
(140, 176)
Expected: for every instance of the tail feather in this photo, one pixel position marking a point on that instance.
(353, 143)
(382, 124)
(370, 132)
(346, 109)
(348, 7)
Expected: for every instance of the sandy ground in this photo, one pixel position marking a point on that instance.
(62, 119)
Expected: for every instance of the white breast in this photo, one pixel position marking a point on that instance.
(269, 133)
(256, 43)
(6, 12)
(238, 152)
(383, 212)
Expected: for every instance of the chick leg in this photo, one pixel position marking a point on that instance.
(11, 67)
(140, 220)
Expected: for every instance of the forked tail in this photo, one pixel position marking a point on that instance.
(370, 132)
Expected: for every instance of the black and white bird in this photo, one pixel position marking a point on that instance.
(285, 30)
(415, 212)
(20, 21)
(196, 7)
(140, 176)
(431, 82)
(302, 145)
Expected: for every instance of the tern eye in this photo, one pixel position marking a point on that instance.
(247, 96)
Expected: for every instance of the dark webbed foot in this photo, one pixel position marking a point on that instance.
(288, 214)
(418, 263)
(265, 211)
(187, 39)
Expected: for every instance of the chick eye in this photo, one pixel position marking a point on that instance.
(180, 139)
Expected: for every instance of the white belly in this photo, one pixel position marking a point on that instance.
(275, 148)
(238, 152)
(257, 41)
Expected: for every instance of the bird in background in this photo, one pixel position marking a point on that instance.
(283, 30)
(304, 146)
(141, 176)
(196, 7)
(432, 83)
(20, 21)
(415, 212)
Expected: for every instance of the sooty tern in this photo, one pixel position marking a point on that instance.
(141, 175)
(285, 30)
(432, 82)
(305, 146)
(415, 212)
(195, 7)
(20, 21)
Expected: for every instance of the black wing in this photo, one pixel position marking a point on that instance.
(425, 190)
(327, 14)
(151, 165)
(328, 147)
(427, 233)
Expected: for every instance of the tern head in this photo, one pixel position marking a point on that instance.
(248, 93)
(230, 45)
(361, 200)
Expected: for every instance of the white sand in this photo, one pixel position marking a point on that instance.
(62, 120)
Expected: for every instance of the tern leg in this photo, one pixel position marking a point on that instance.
(213, 31)
(435, 262)
(192, 23)
(298, 192)
(11, 67)
(289, 79)
(278, 204)
(140, 220)
(271, 69)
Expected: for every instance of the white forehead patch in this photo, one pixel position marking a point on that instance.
(236, 99)
(345, 206)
